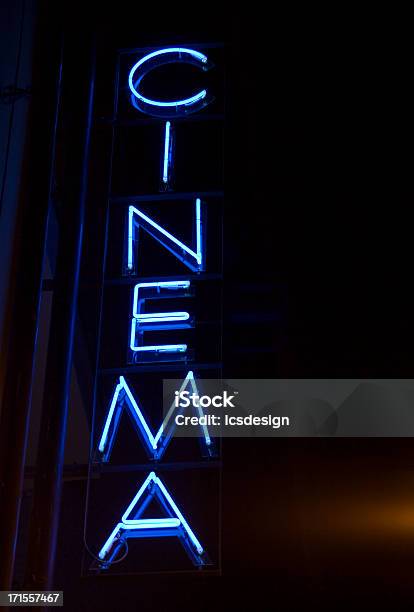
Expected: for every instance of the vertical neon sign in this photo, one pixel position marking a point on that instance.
(153, 331)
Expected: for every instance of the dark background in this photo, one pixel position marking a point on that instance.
(317, 262)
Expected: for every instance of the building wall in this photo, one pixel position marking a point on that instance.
(17, 19)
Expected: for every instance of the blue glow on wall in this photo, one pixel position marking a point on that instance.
(155, 445)
(133, 526)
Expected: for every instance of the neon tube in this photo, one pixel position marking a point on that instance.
(184, 523)
(167, 285)
(193, 55)
(198, 255)
(166, 152)
(156, 348)
(127, 524)
(150, 440)
(198, 230)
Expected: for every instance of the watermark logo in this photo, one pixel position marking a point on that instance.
(184, 399)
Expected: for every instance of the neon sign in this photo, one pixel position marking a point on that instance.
(154, 332)
(168, 144)
(159, 58)
(155, 444)
(193, 259)
(136, 527)
(142, 322)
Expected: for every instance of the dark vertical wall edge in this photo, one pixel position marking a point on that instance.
(24, 305)
(78, 85)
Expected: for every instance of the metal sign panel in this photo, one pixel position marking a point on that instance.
(152, 496)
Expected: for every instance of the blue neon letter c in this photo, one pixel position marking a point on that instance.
(161, 57)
